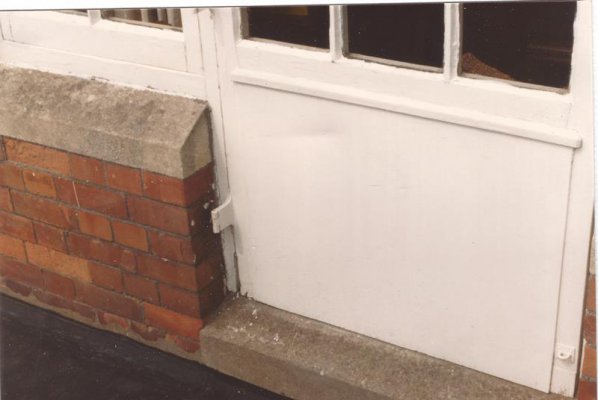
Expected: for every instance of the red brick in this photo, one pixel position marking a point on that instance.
(123, 178)
(22, 273)
(42, 210)
(16, 226)
(589, 361)
(111, 319)
(209, 270)
(190, 346)
(65, 191)
(5, 202)
(17, 287)
(177, 191)
(171, 321)
(107, 300)
(11, 176)
(591, 294)
(211, 296)
(141, 288)
(161, 216)
(59, 285)
(2, 151)
(172, 247)
(199, 183)
(147, 332)
(179, 275)
(37, 156)
(101, 200)
(87, 169)
(178, 300)
(106, 277)
(183, 249)
(12, 247)
(94, 225)
(200, 219)
(83, 310)
(49, 236)
(589, 328)
(164, 188)
(57, 301)
(205, 244)
(39, 183)
(586, 390)
(130, 235)
(95, 249)
(60, 263)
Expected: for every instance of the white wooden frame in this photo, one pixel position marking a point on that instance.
(505, 107)
(540, 114)
(162, 59)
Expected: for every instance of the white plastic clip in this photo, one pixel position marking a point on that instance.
(565, 353)
(222, 216)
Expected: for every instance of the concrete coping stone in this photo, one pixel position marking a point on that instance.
(306, 359)
(143, 129)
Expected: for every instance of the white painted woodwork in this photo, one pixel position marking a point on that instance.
(159, 59)
(210, 44)
(191, 30)
(580, 207)
(105, 39)
(427, 210)
(136, 75)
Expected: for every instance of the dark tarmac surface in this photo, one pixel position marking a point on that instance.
(46, 356)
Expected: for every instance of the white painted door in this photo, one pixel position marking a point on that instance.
(439, 213)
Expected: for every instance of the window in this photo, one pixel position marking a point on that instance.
(169, 18)
(526, 43)
(152, 17)
(160, 48)
(378, 33)
(307, 26)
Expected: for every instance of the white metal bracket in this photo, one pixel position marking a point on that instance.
(222, 216)
(566, 353)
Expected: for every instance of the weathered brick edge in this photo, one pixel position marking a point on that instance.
(115, 247)
(586, 389)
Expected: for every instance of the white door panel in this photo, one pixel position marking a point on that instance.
(430, 212)
(439, 238)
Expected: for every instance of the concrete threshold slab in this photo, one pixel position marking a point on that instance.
(305, 359)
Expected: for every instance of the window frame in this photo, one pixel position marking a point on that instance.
(503, 106)
(89, 45)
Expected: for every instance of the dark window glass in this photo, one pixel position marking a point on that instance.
(404, 32)
(524, 42)
(306, 26)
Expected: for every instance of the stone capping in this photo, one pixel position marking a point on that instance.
(143, 129)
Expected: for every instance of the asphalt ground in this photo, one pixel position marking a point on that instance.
(46, 356)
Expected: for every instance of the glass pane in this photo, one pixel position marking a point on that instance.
(524, 42)
(152, 17)
(307, 26)
(411, 33)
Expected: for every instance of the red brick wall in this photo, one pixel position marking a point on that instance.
(587, 380)
(113, 246)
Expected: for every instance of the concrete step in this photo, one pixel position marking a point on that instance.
(305, 359)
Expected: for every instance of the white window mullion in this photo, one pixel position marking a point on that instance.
(191, 30)
(337, 32)
(5, 26)
(94, 16)
(452, 40)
